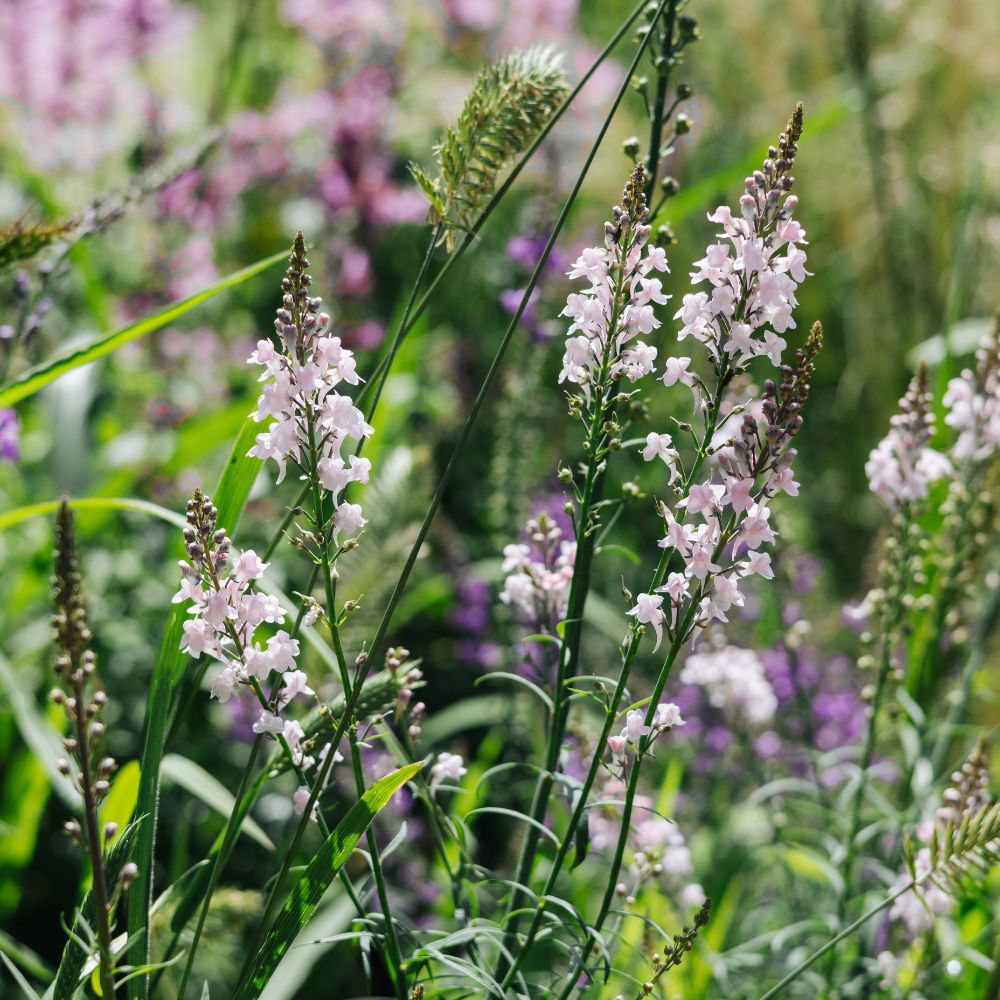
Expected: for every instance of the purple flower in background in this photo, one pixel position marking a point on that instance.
(10, 436)
(525, 252)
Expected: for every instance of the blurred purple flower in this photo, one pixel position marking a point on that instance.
(10, 436)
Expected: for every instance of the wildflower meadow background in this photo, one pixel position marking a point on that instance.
(499, 499)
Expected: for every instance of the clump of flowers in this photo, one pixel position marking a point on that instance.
(311, 421)
(902, 467)
(226, 612)
(540, 573)
(973, 401)
(607, 317)
(734, 682)
(754, 270)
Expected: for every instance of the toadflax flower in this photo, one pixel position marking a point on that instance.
(902, 467)
(226, 612)
(718, 525)
(973, 402)
(448, 767)
(539, 575)
(617, 308)
(310, 420)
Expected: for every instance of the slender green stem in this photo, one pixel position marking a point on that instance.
(993, 987)
(890, 619)
(383, 627)
(501, 192)
(833, 942)
(230, 835)
(595, 446)
(659, 103)
(629, 652)
(394, 956)
(404, 325)
(633, 780)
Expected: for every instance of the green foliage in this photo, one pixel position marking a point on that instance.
(41, 375)
(168, 673)
(509, 105)
(74, 958)
(321, 871)
(969, 849)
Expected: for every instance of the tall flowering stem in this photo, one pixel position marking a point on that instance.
(751, 304)
(313, 423)
(601, 351)
(759, 291)
(75, 666)
(900, 472)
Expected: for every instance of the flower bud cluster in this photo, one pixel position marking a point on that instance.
(90, 768)
(310, 420)
(226, 611)
(753, 283)
(75, 665)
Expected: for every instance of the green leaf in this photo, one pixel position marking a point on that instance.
(321, 871)
(40, 376)
(23, 983)
(119, 806)
(195, 780)
(230, 498)
(518, 679)
(14, 517)
(74, 959)
(38, 735)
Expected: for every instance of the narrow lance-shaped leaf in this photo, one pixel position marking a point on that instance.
(230, 498)
(42, 375)
(321, 871)
(74, 959)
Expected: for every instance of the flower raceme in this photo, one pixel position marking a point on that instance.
(310, 420)
(902, 467)
(607, 317)
(539, 578)
(226, 612)
(717, 526)
(973, 402)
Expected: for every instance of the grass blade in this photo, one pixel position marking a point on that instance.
(41, 375)
(230, 497)
(311, 887)
(196, 781)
